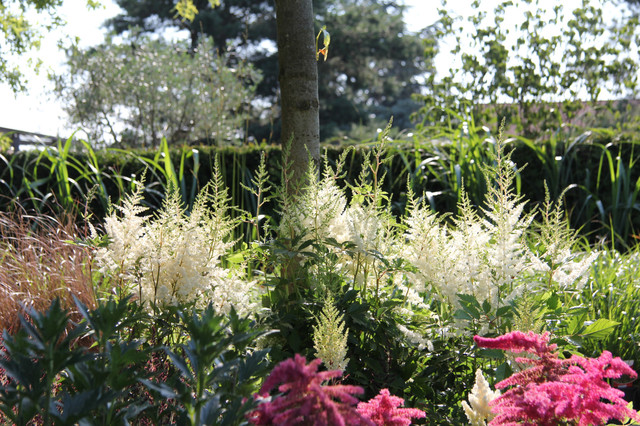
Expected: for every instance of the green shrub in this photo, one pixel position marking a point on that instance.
(122, 375)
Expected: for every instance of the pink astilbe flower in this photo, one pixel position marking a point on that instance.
(383, 410)
(556, 391)
(304, 400)
(517, 342)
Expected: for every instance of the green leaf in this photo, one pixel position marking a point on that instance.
(600, 329)
(576, 341)
(575, 324)
(163, 389)
(170, 171)
(79, 405)
(468, 300)
(210, 411)
(462, 315)
(503, 371)
(486, 306)
(503, 310)
(553, 301)
(491, 353)
(236, 258)
(473, 311)
(181, 364)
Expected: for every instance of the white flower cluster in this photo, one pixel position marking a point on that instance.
(489, 256)
(479, 412)
(371, 231)
(416, 338)
(174, 257)
(321, 212)
(568, 269)
(317, 214)
(483, 258)
(486, 253)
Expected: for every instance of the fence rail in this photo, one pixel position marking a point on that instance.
(21, 139)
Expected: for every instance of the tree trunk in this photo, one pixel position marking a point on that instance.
(298, 79)
(298, 85)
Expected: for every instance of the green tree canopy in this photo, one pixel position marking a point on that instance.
(533, 65)
(246, 25)
(143, 89)
(370, 72)
(373, 65)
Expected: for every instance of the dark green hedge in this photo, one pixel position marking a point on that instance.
(598, 169)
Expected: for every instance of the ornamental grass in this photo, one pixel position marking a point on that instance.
(41, 258)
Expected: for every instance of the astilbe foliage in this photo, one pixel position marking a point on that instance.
(304, 399)
(556, 391)
(384, 410)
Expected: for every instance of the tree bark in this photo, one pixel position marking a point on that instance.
(298, 79)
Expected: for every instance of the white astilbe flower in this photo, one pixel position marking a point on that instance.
(486, 257)
(182, 253)
(228, 289)
(413, 307)
(416, 338)
(559, 264)
(426, 238)
(320, 213)
(479, 412)
(317, 213)
(453, 261)
(508, 257)
(125, 236)
(571, 270)
(174, 257)
(365, 228)
(469, 272)
(372, 233)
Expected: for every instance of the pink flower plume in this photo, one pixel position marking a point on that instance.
(383, 410)
(303, 399)
(518, 342)
(557, 391)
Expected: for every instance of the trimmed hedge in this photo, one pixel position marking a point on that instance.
(598, 169)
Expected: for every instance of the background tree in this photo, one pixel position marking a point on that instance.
(298, 77)
(372, 70)
(246, 27)
(140, 90)
(541, 77)
(373, 67)
(19, 35)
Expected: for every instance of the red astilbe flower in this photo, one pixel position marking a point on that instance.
(383, 410)
(304, 400)
(556, 391)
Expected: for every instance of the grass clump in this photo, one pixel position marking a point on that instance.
(41, 259)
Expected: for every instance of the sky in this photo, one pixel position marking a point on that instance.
(38, 111)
